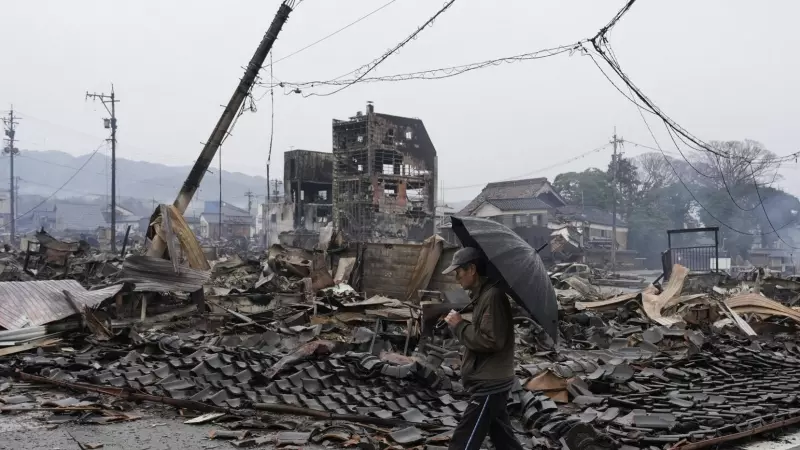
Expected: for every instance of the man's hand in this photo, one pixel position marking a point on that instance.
(453, 318)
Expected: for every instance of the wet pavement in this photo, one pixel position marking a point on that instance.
(23, 432)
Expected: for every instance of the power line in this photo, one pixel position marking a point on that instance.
(651, 107)
(44, 161)
(365, 70)
(446, 72)
(59, 189)
(518, 177)
(111, 123)
(667, 160)
(769, 221)
(10, 133)
(443, 72)
(332, 34)
(266, 224)
(599, 41)
(63, 189)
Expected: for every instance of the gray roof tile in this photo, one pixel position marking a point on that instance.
(518, 204)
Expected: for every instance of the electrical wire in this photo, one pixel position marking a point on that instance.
(43, 161)
(63, 189)
(600, 40)
(522, 176)
(332, 34)
(769, 221)
(272, 115)
(440, 73)
(683, 183)
(365, 70)
(14, 219)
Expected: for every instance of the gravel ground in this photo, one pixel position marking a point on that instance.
(25, 432)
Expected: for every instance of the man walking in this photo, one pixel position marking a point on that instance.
(487, 368)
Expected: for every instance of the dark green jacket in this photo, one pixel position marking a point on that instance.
(489, 338)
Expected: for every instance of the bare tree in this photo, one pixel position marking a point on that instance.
(744, 161)
(654, 171)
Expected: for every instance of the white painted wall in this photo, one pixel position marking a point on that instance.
(488, 210)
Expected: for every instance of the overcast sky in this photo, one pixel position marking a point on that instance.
(724, 69)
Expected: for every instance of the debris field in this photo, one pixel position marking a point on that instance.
(284, 349)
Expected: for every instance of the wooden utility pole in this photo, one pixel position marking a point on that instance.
(219, 132)
(267, 208)
(615, 166)
(11, 129)
(112, 124)
(249, 194)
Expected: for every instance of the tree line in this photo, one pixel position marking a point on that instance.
(656, 192)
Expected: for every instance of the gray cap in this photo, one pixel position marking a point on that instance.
(461, 257)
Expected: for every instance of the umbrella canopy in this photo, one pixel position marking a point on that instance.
(516, 264)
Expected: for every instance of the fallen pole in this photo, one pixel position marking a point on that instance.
(299, 411)
(198, 406)
(60, 409)
(128, 395)
(732, 437)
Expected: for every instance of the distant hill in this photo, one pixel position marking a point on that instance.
(138, 183)
(42, 172)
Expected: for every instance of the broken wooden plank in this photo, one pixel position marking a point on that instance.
(27, 347)
(653, 304)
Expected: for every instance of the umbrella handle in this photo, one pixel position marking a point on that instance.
(441, 323)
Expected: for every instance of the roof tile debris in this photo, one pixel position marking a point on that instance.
(671, 365)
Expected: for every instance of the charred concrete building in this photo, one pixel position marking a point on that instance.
(384, 178)
(308, 182)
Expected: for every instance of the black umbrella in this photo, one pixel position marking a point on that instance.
(515, 263)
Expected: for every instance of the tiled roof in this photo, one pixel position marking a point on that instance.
(230, 214)
(518, 204)
(227, 209)
(515, 189)
(588, 214)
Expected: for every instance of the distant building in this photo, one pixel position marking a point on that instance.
(308, 185)
(194, 224)
(5, 210)
(531, 206)
(778, 257)
(78, 217)
(384, 178)
(43, 219)
(530, 202)
(124, 218)
(594, 224)
(236, 222)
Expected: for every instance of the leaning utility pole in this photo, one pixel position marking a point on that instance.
(11, 129)
(228, 115)
(112, 124)
(615, 167)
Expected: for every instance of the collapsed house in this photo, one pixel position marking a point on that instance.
(384, 178)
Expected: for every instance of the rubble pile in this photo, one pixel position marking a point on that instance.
(281, 350)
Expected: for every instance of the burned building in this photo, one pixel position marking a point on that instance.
(384, 176)
(308, 182)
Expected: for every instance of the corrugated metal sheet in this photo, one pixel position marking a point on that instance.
(35, 303)
(150, 274)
